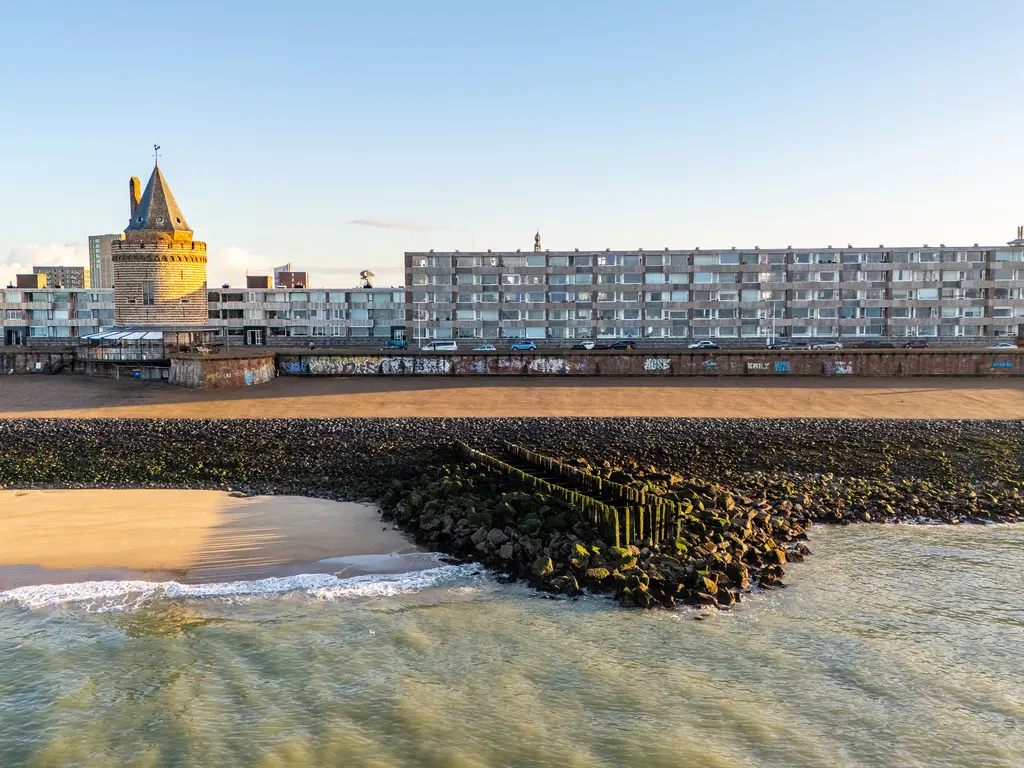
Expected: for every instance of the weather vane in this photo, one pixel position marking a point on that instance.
(156, 154)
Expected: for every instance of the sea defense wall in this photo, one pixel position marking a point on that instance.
(197, 372)
(653, 363)
(15, 361)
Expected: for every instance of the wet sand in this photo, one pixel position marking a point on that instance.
(922, 398)
(188, 536)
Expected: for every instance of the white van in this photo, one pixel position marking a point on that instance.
(440, 345)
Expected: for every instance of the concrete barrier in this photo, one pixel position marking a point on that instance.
(655, 363)
(199, 372)
(15, 360)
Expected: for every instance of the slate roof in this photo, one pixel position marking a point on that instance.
(157, 209)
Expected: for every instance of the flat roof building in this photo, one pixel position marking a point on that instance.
(943, 292)
(64, 277)
(101, 268)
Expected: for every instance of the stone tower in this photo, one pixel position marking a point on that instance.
(159, 270)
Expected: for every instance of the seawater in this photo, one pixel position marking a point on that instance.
(892, 646)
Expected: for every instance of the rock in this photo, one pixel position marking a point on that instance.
(506, 551)
(497, 537)
(543, 566)
(598, 575)
(479, 535)
(565, 585)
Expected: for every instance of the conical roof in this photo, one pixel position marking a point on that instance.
(157, 210)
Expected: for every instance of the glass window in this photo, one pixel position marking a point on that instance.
(703, 277)
(654, 278)
(148, 297)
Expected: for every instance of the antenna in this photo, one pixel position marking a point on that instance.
(366, 279)
(156, 154)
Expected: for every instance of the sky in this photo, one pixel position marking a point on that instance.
(338, 135)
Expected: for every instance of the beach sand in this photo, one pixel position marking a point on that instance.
(189, 536)
(807, 397)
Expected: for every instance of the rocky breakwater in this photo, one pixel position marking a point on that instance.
(717, 551)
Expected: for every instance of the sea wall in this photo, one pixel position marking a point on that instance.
(654, 363)
(196, 372)
(15, 361)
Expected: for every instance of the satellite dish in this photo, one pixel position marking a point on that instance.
(366, 278)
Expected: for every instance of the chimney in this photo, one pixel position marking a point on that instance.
(134, 193)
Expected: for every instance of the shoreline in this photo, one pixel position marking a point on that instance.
(189, 537)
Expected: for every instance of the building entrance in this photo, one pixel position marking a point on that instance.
(254, 337)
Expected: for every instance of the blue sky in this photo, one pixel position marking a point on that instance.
(457, 124)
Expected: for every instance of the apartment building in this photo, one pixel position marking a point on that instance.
(48, 315)
(64, 277)
(101, 266)
(962, 292)
(322, 316)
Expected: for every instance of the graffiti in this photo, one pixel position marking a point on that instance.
(757, 367)
(396, 365)
(837, 368)
(295, 366)
(782, 366)
(548, 365)
(657, 364)
(1002, 364)
(248, 378)
(711, 365)
(436, 365)
(476, 366)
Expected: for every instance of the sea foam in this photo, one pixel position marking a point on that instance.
(107, 596)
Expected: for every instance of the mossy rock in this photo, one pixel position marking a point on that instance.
(543, 566)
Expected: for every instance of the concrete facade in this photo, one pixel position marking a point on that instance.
(65, 277)
(51, 315)
(101, 267)
(322, 316)
(942, 293)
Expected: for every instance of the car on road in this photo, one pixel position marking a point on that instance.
(522, 346)
(826, 345)
(626, 344)
(875, 344)
(440, 345)
(916, 344)
(395, 344)
(779, 345)
(705, 344)
(485, 348)
(1002, 345)
(583, 345)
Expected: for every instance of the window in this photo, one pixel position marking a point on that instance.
(703, 277)
(147, 293)
(536, 260)
(654, 278)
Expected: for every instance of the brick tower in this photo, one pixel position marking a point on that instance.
(159, 270)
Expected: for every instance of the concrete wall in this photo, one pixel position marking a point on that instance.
(221, 373)
(653, 363)
(15, 360)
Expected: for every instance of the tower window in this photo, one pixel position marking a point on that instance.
(147, 292)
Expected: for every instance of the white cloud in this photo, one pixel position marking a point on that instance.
(388, 224)
(230, 265)
(22, 258)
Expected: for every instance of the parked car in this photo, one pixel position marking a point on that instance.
(440, 345)
(395, 344)
(799, 345)
(780, 345)
(916, 344)
(1002, 345)
(583, 345)
(626, 344)
(485, 348)
(705, 344)
(826, 345)
(522, 346)
(875, 344)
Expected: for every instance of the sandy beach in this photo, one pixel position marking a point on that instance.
(918, 398)
(187, 536)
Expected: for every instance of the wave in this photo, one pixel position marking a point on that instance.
(109, 596)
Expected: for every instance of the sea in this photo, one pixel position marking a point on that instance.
(893, 645)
